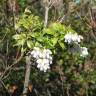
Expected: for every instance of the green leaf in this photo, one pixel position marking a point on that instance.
(54, 41)
(23, 49)
(57, 27)
(17, 36)
(37, 44)
(48, 31)
(29, 43)
(62, 45)
(35, 35)
(20, 42)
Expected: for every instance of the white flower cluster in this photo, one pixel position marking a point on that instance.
(69, 38)
(76, 39)
(84, 51)
(43, 58)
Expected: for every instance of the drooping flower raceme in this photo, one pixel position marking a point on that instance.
(72, 38)
(84, 52)
(75, 39)
(43, 58)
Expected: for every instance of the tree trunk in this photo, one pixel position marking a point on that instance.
(27, 75)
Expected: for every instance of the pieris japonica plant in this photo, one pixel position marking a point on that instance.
(56, 42)
(31, 35)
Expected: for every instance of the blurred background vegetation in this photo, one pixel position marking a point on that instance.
(70, 75)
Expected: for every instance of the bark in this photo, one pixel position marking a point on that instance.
(46, 16)
(27, 75)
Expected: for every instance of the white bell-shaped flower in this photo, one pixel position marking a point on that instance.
(36, 52)
(43, 58)
(73, 38)
(84, 52)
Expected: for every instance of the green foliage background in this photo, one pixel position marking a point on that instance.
(70, 75)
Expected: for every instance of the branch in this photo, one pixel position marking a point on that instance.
(46, 16)
(9, 67)
(3, 85)
(48, 5)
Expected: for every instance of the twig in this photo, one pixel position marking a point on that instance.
(61, 20)
(6, 75)
(3, 85)
(9, 67)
